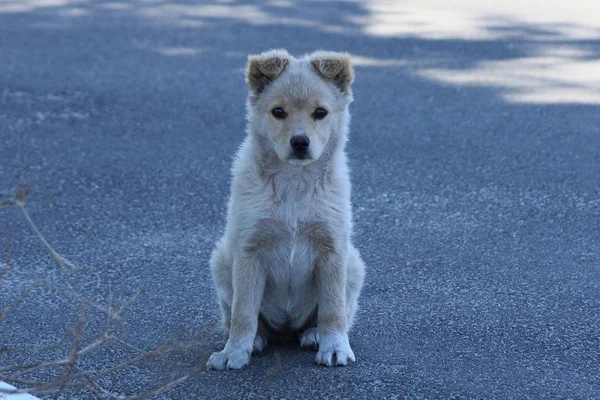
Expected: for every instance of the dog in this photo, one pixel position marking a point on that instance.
(285, 264)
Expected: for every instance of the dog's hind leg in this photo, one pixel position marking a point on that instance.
(354, 280)
(261, 340)
(221, 269)
(309, 339)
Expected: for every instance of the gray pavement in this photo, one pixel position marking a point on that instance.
(475, 157)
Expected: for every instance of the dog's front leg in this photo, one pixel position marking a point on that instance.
(334, 347)
(249, 278)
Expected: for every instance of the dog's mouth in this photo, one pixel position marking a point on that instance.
(299, 159)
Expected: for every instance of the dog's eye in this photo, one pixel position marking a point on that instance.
(278, 113)
(320, 113)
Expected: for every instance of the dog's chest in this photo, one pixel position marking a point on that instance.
(290, 296)
(298, 207)
(296, 197)
(294, 201)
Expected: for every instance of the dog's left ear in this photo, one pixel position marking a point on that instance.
(263, 68)
(335, 67)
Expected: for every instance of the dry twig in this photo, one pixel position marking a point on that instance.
(72, 376)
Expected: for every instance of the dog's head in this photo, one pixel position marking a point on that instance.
(299, 105)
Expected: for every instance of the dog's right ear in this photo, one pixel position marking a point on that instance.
(263, 68)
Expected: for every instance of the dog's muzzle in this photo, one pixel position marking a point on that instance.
(300, 144)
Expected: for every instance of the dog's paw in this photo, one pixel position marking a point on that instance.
(334, 349)
(260, 343)
(310, 339)
(228, 359)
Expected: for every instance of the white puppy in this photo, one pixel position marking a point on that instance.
(286, 263)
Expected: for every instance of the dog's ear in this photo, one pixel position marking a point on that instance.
(335, 67)
(263, 68)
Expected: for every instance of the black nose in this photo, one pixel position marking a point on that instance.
(300, 143)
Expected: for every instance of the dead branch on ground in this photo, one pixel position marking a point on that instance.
(76, 342)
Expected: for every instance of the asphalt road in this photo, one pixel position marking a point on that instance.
(475, 157)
